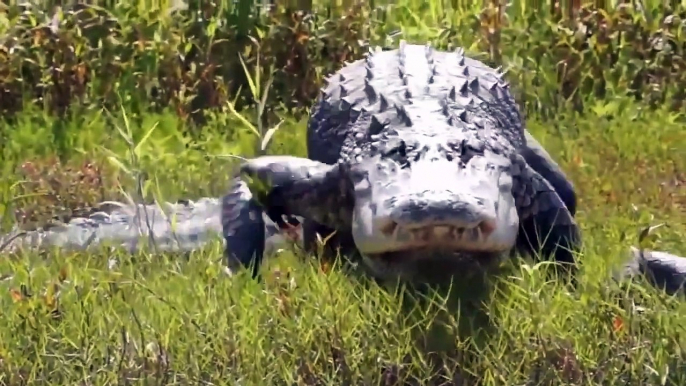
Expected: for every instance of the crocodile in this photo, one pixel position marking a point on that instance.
(418, 162)
(414, 163)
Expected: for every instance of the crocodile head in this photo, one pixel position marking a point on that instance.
(427, 209)
(415, 210)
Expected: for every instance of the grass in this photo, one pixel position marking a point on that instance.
(109, 317)
(179, 320)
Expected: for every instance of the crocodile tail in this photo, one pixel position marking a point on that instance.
(167, 227)
(247, 231)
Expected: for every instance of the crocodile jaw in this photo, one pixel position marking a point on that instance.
(433, 213)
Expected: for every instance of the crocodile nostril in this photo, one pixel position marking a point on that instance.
(389, 228)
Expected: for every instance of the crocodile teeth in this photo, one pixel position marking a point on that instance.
(416, 234)
(442, 232)
(424, 234)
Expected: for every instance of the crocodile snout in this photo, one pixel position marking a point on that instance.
(436, 206)
(445, 217)
(461, 211)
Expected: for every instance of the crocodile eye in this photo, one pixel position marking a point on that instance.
(397, 153)
(399, 150)
(402, 149)
(359, 177)
(469, 150)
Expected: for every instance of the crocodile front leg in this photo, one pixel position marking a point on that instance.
(284, 188)
(546, 224)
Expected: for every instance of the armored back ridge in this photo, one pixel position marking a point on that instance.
(407, 94)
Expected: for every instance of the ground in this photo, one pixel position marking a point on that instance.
(184, 319)
(97, 318)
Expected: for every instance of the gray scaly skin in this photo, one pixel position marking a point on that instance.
(182, 227)
(402, 146)
(663, 270)
(405, 144)
(418, 160)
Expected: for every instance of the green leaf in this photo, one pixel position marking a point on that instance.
(648, 237)
(251, 82)
(136, 150)
(268, 136)
(241, 118)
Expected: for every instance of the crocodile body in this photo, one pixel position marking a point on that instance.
(418, 162)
